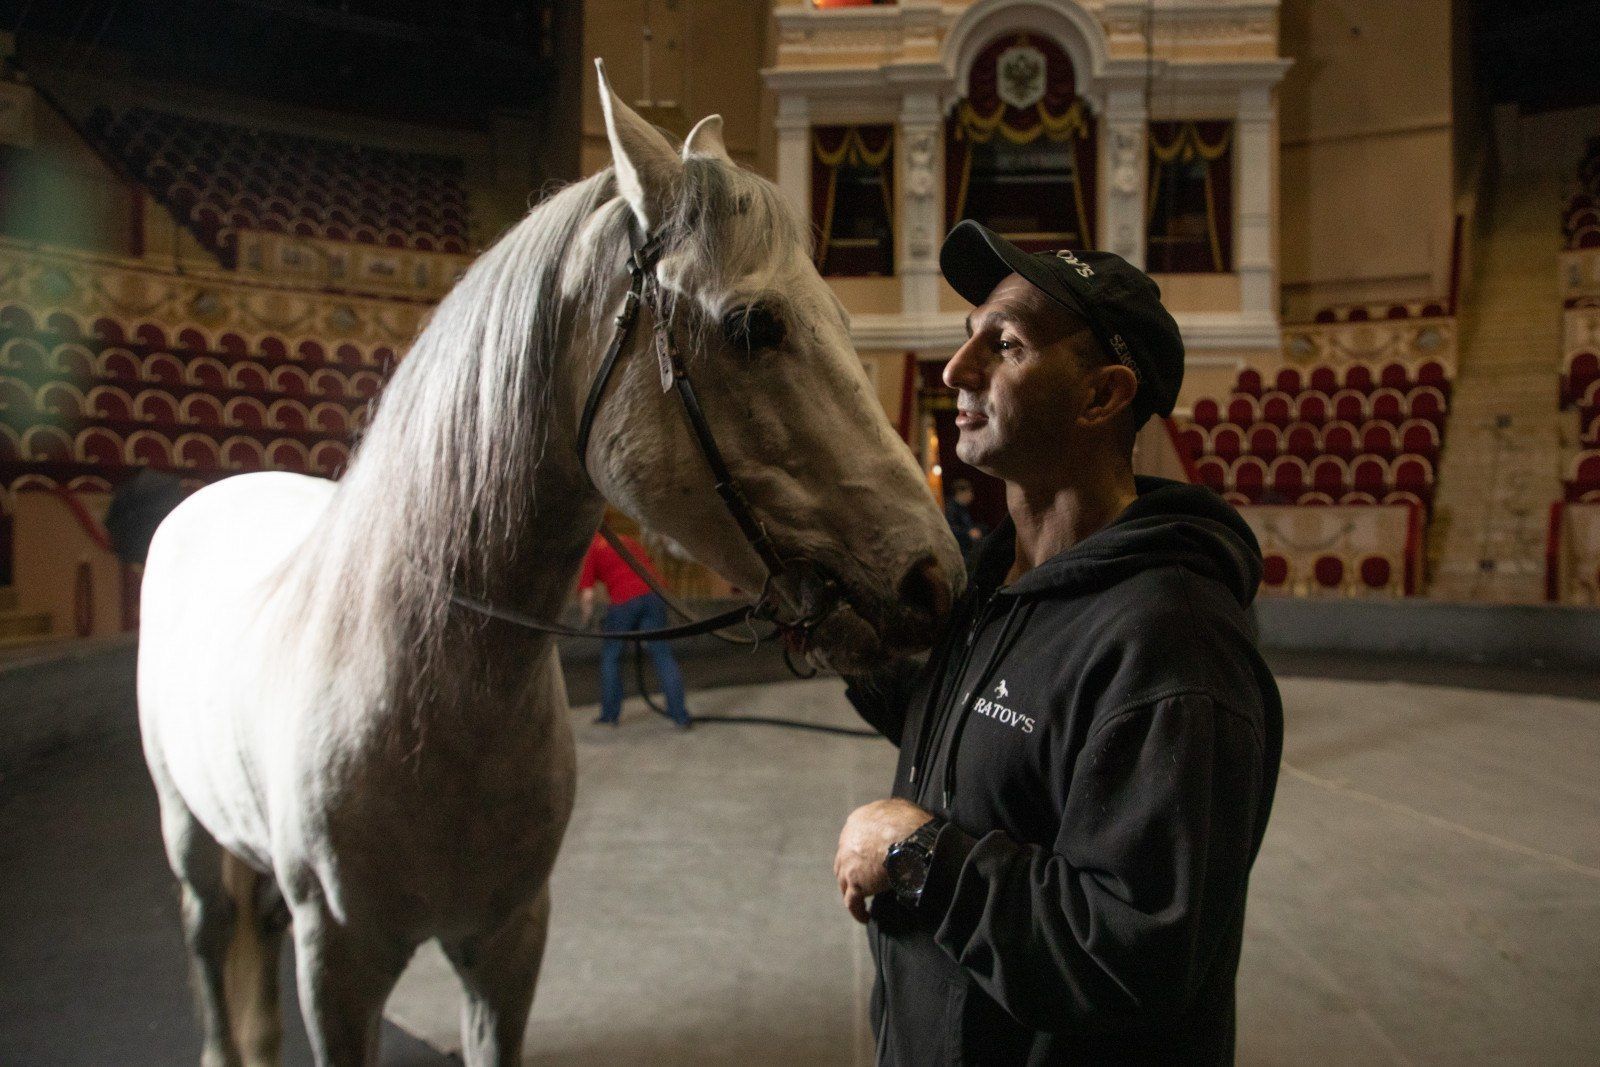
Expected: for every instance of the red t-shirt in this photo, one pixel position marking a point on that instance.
(605, 566)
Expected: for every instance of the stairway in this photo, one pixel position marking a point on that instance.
(1501, 467)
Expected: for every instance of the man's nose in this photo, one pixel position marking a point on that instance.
(964, 371)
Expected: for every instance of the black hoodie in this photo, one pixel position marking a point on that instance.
(1116, 739)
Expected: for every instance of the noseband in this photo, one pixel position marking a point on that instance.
(644, 288)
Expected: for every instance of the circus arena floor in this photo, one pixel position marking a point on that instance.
(1429, 891)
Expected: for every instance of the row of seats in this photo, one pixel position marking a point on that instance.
(122, 366)
(1344, 439)
(59, 326)
(1288, 478)
(1362, 377)
(1316, 407)
(1333, 574)
(221, 177)
(111, 449)
(60, 403)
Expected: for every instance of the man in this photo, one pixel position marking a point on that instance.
(633, 607)
(1088, 761)
(958, 513)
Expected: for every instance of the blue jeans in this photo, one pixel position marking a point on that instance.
(646, 612)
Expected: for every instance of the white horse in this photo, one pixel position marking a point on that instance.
(341, 747)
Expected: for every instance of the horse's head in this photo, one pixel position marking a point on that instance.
(767, 347)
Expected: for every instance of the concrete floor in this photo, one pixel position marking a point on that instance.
(1428, 893)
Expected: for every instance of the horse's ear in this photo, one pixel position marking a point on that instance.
(645, 161)
(706, 140)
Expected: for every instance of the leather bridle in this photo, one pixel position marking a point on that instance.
(644, 288)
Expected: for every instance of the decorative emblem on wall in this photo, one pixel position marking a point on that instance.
(1021, 70)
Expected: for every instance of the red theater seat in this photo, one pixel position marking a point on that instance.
(1265, 441)
(1302, 439)
(1426, 402)
(1376, 572)
(1329, 475)
(1395, 376)
(1339, 439)
(1287, 478)
(1379, 439)
(1313, 407)
(1324, 379)
(1207, 413)
(1277, 408)
(1250, 477)
(1212, 472)
(1227, 441)
(1243, 410)
(1389, 405)
(1274, 571)
(1350, 405)
(1328, 571)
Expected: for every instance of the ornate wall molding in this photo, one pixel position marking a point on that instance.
(87, 286)
(371, 268)
(1409, 341)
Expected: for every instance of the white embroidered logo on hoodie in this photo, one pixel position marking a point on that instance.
(1001, 714)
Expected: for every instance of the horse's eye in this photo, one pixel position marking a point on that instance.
(753, 329)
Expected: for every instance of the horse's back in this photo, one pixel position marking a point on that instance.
(216, 622)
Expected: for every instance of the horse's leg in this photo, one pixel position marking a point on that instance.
(252, 966)
(208, 919)
(499, 972)
(344, 975)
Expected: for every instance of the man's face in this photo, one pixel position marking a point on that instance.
(1019, 382)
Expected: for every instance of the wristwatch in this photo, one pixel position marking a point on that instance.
(909, 861)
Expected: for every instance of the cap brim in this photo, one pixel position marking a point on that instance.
(974, 259)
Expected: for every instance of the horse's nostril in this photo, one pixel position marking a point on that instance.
(925, 591)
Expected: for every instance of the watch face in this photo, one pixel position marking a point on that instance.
(908, 869)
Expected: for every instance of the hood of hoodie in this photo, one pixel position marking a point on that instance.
(1169, 524)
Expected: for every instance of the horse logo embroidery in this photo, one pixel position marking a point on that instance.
(1000, 691)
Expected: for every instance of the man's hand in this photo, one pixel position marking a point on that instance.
(863, 844)
(586, 604)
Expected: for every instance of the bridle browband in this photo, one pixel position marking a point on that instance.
(644, 288)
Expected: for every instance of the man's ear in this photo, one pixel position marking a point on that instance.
(1113, 389)
(647, 166)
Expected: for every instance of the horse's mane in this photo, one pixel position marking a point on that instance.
(441, 486)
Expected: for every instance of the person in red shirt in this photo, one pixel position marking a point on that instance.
(633, 607)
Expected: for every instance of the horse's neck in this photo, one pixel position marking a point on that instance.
(473, 664)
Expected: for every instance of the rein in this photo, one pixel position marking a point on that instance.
(644, 288)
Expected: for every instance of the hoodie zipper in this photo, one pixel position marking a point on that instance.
(1010, 631)
(933, 709)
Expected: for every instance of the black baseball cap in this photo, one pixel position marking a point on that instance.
(1120, 302)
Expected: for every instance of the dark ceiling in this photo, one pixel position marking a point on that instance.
(436, 61)
(1540, 54)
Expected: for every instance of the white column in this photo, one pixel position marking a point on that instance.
(794, 152)
(919, 202)
(1254, 152)
(1121, 225)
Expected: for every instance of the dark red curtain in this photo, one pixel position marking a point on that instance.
(852, 199)
(1189, 215)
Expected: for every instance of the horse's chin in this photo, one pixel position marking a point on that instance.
(844, 642)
